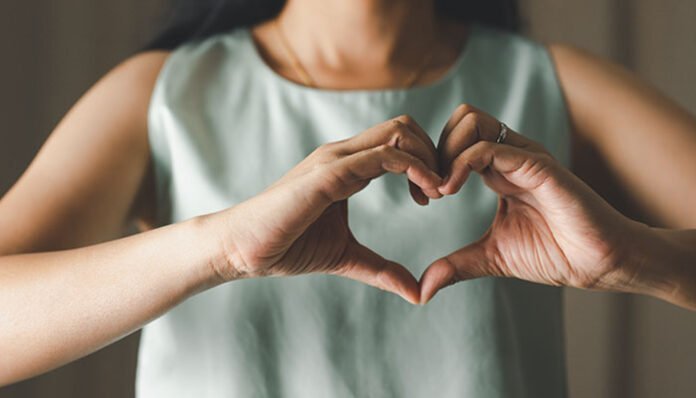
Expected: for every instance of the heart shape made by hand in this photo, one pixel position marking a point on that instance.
(451, 158)
(549, 227)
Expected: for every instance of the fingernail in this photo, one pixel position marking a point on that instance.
(445, 180)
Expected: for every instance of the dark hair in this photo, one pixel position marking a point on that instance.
(198, 19)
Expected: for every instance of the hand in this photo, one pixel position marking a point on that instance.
(299, 224)
(550, 227)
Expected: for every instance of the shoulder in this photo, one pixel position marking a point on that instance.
(107, 126)
(584, 74)
(572, 57)
(597, 89)
(136, 74)
(121, 98)
(122, 95)
(577, 68)
(129, 85)
(144, 65)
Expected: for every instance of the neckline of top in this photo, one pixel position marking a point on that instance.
(261, 65)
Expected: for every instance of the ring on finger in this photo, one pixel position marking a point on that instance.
(502, 135)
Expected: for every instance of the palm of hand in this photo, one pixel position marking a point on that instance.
(550, 227)
(528, 248)
(323, 247)
(544, 231)
(306, 239)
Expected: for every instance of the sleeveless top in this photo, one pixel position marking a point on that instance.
(223, 126)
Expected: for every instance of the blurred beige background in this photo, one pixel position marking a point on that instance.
(618, 345)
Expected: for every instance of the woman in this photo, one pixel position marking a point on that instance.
(255, 137)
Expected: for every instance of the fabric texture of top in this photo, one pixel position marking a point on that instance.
(223, 126)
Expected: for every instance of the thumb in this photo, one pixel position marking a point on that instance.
(469, 262)
(366, 266)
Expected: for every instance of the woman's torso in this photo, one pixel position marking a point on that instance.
(223, 126)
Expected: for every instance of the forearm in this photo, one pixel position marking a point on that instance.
(665, 264)
(57, 307)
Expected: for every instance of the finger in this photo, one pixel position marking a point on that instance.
(410, 143)
(521, 168)
(402, 133)
(421, 134)
(432, 161)
(437, 276)
(484, 127)
(465, 133)
(349, 174)
(417, 194)
(370, 268)
(467, 263)
(468, 126)
(398, 132)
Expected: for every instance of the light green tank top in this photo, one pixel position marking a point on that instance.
(223, 126)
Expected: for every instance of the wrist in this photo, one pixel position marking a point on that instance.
(663, 264)
(212, 233)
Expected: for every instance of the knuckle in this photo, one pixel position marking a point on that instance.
(400, 127)
(326, 153)
(383, 149)
(404, 119)
(485, 146)
(335, 147)
(464, 109)
(399, 136)
(322, 149)
(473, 122)
(474, 118)
(393, 123)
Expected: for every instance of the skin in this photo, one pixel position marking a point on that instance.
(550, 227)
(64, 262)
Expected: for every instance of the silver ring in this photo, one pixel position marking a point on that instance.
(502, 135)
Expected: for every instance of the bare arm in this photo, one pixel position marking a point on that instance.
(551, 227)
(87, 179)
(56, 307)
(80, 190)
(649, 141)
(71, 286)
